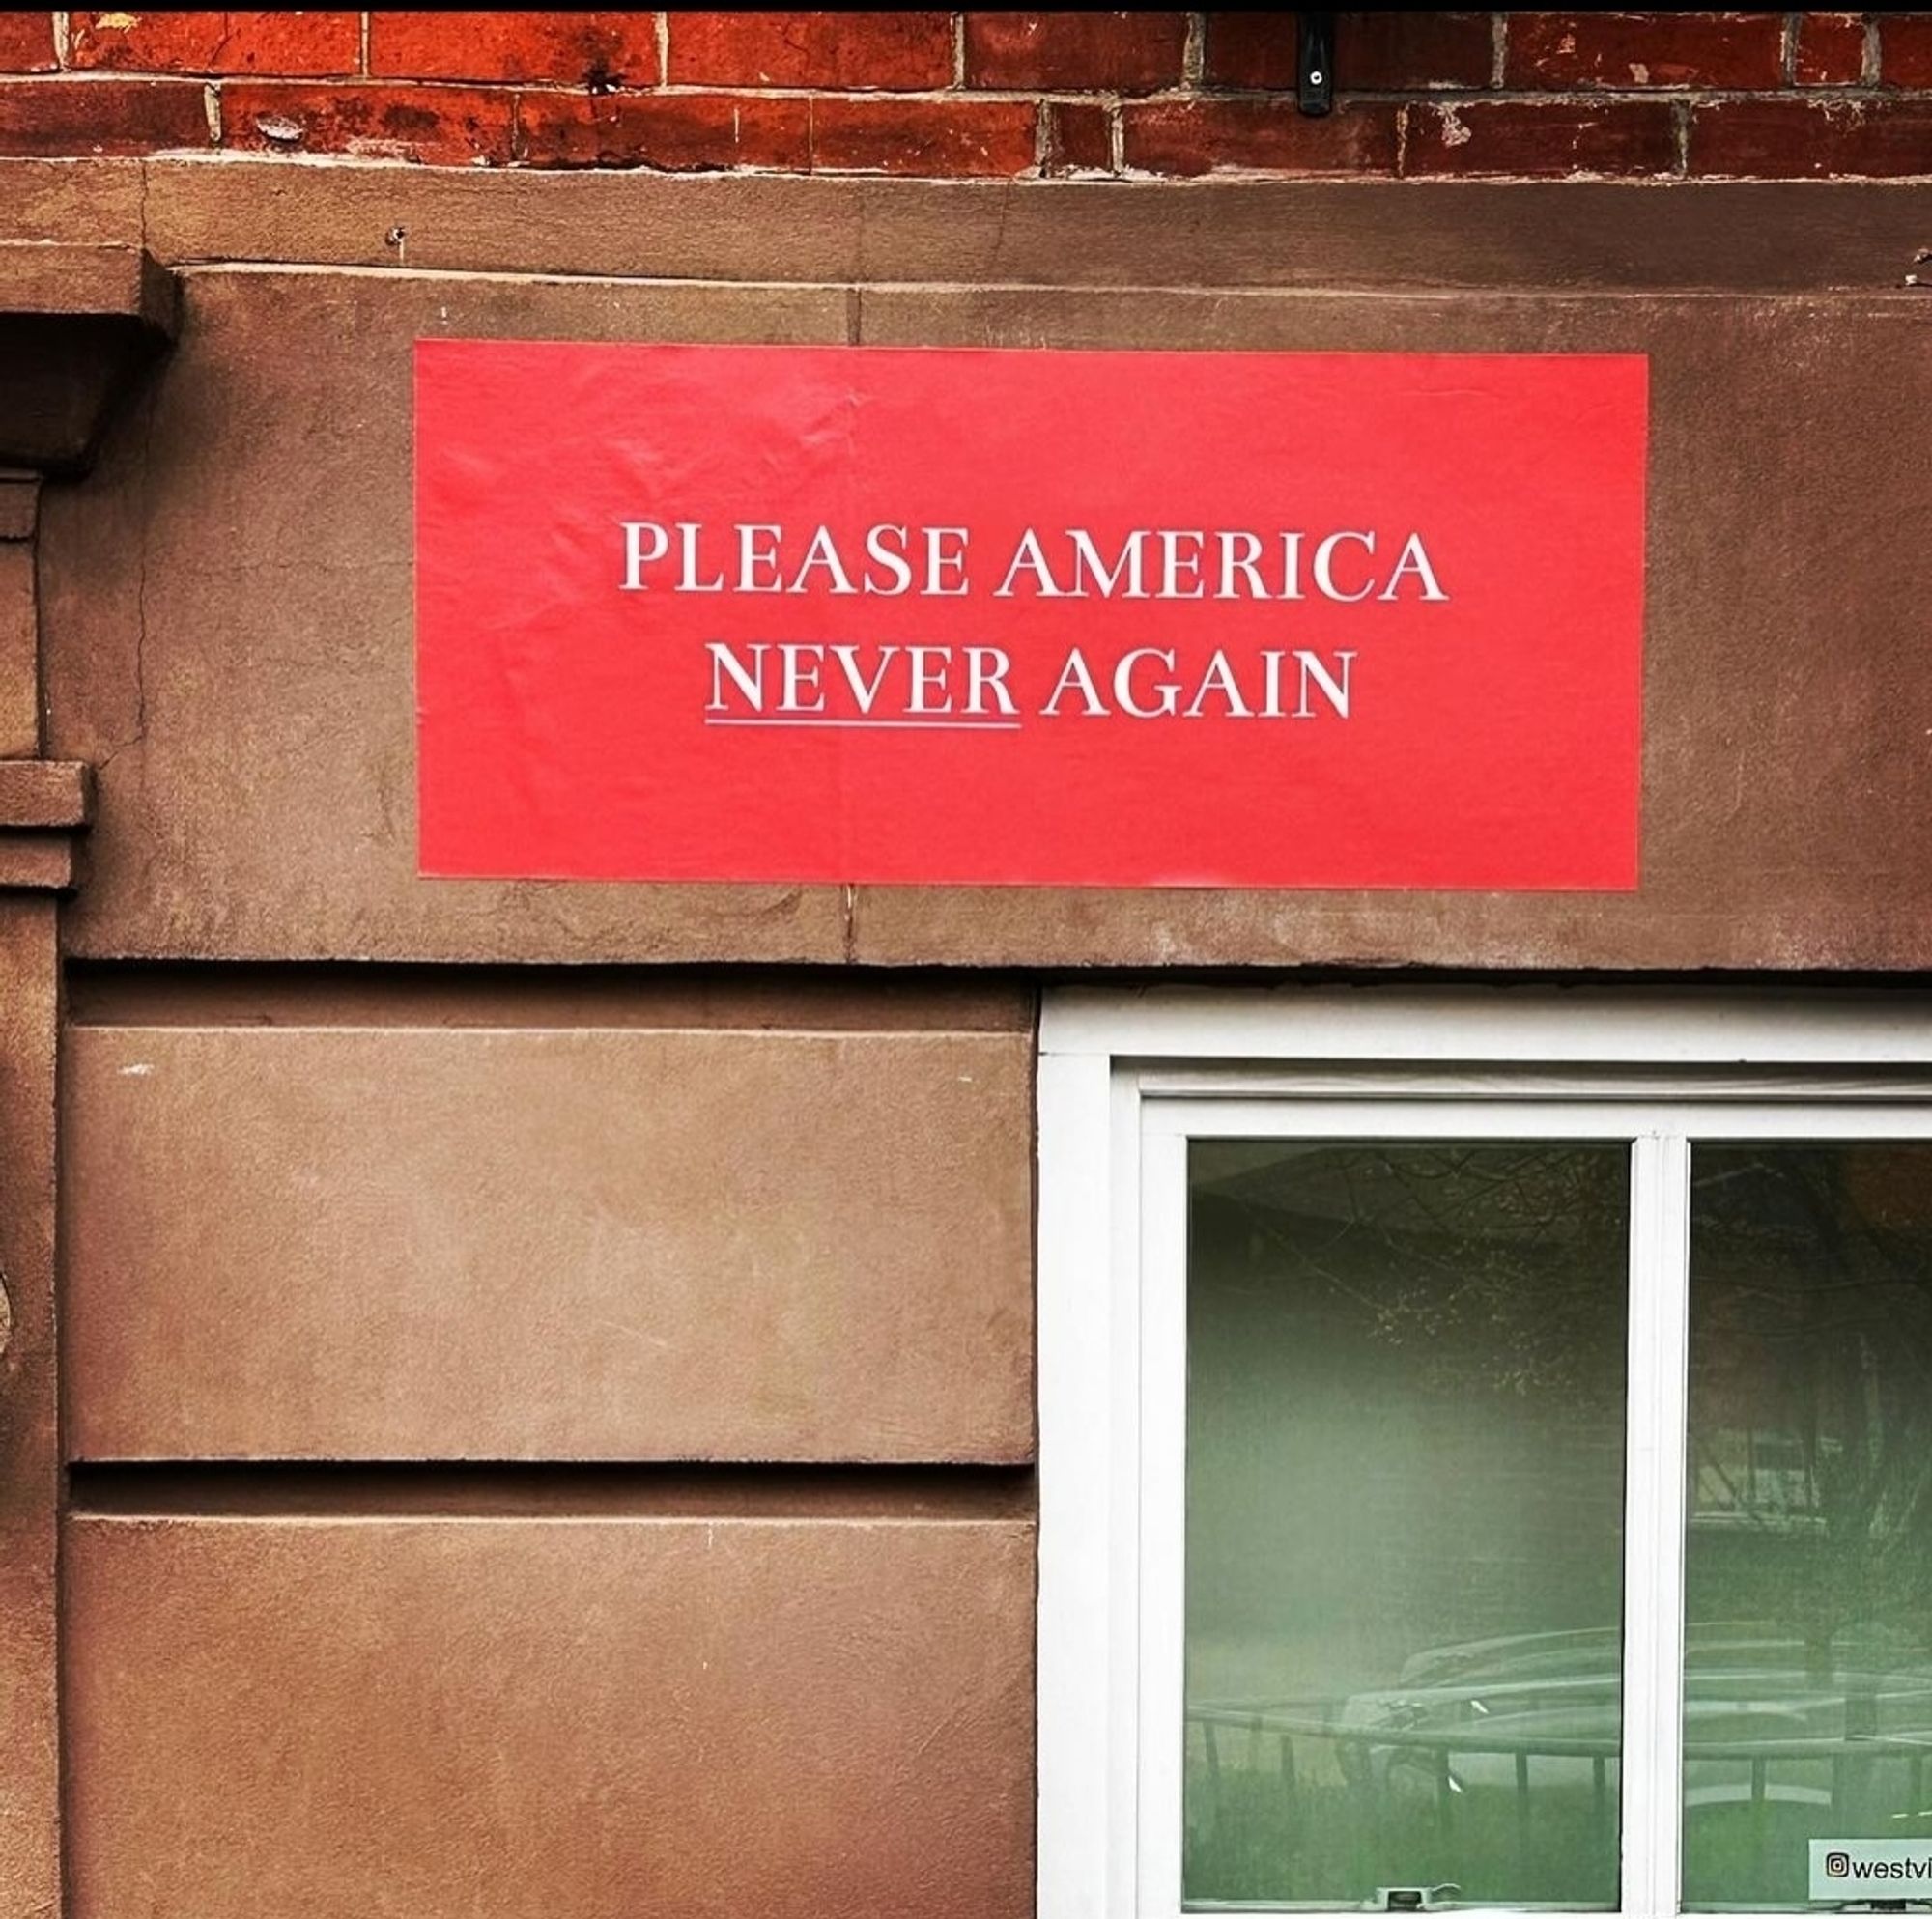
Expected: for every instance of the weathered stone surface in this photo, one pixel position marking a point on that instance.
(392, 1242)
(550, 1719)
(257, 754)
(30, 1881)
(1769, 236)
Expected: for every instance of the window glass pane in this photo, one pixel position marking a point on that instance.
(1809, 1555)
(1404, 1493)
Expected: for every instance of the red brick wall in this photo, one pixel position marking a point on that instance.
(1420, 94)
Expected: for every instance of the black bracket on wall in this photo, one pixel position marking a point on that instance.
(1315, 63)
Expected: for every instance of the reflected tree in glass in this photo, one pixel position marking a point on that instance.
(1404, 1485)
(1808, 1554)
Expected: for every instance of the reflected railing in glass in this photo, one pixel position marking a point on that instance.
(1406, 1388)
(1808, 1546)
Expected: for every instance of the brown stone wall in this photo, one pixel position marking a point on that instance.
(546, 1370)
(544, 1442)
(227, 632)
(559, 1716)
(975, 95)
(538, 1220)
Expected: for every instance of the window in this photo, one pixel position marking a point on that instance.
(1485, 1450)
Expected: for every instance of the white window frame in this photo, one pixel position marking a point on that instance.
(1127, 1078)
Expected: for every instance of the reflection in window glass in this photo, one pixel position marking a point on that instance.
(1405, 1490)
(1809, 1557)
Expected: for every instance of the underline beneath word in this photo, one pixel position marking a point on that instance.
(888, 725)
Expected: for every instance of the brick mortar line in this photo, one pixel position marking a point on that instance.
(1202, 182)
(1448, 95)
(1455, 95)
(1673, 171)
(1030, 175)
(1655, 177)
(1194, 50)
(1847, 95)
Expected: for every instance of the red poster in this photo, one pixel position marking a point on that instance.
(1034, 618)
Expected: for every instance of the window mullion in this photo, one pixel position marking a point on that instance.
(1653, 1761)
(1162, 1521)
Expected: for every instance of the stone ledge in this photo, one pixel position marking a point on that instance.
(45, 805)
(77, 324)
(37, 795)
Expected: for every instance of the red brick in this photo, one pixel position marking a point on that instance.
(1195, 136)
(1407, 52)
(1249, 50)
(64, 117)
(444, 126)
(1127, 53)
(1830, 51)
(1539, 139)
(1392, 52)
(594, 51)
(1812, 139)
(27, 43)
(931, 137)
(671, 132)
(1081, 137)
(1905, 50)
(283, 44)
(1645, 51)
(906, 52)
